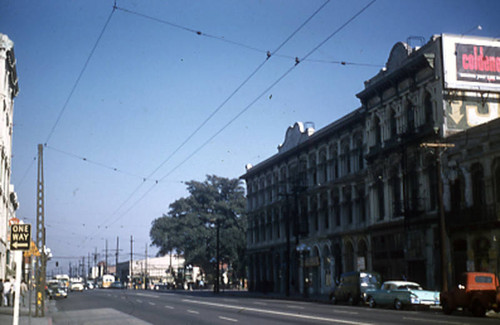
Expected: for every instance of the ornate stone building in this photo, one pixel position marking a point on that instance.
(363, 192)
(8, 199)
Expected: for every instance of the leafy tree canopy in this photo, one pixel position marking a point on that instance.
(189, 227)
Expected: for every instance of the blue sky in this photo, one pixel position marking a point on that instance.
(151, 82)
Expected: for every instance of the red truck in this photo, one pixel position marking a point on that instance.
(476, 291)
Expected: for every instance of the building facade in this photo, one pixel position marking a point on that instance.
(363, 193)
(8, 199)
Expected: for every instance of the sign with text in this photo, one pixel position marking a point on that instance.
(20, 237)
(471, 63)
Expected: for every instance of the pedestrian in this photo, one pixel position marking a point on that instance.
(23, 290)
(1, 292)
(12, 293)
(6, 293)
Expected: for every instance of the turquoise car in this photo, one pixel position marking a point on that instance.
(400, 294)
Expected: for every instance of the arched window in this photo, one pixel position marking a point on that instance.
(349, 257)
(410, 118)
(497, 181)
(380, 196)
(457, 193)
(428, 109)
(477, 175)
(322, 167)
(363, 252)
(377, 131)
(392, 124)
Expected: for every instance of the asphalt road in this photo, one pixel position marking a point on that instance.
(151, 307)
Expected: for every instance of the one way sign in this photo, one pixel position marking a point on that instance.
(20, 237)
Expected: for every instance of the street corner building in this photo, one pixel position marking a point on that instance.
(8, 199)
(406, 185)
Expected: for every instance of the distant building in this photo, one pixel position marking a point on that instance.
(8, 199)
(363, 192)
(156, 269)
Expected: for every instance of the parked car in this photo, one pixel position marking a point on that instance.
(76, 286)
(56, 289)
(400, 294)
(89, 286)
(117, 285)
(475, 291)
(352, 287)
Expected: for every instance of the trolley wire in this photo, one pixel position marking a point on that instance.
(238, 88)
(75, 85)
(272, 85)
(236, 43)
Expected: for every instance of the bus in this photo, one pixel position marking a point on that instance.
(64, 278)
(107, 279)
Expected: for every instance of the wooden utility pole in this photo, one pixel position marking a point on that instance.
(106, 265)
(438, 147)
(116, 255)
(41, 261)
(146, 270)
(131, 268)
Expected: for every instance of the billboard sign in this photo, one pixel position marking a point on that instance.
(471, 63)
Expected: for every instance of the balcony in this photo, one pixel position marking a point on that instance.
(481, 216)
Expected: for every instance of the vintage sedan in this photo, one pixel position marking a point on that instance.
(400, 294)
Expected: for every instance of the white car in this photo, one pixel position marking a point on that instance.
(76, 286)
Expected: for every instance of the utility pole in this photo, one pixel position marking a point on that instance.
(217, 272)
(88, 267)
(41, 261)
(146, 270)
(106, 265)
(131, 268)
(442, 223)
(117, 250)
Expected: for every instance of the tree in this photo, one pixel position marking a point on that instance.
(189, 227)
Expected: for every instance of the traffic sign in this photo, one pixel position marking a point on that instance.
(20, 237)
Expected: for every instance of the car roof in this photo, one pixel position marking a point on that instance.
(402, 283)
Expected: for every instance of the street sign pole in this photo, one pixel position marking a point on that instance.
(18, 258)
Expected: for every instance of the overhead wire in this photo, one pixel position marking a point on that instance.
(269, 88)
(236, 43)
(272, 85)
(27, 172)
(99, 164)
(75, 85)
(238, 88)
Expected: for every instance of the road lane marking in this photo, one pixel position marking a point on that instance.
(260, 303)
(192, 311)
(280, 313)
(295, 307)
(169, 307)
(228, 319)
(147, 295)
(152, 303)
(434, 321)
(139, 301)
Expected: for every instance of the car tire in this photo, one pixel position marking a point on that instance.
(398, 305)
(371, 302)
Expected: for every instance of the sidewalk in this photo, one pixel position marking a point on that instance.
(6, 314)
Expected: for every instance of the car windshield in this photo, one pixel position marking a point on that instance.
(410, 287)
(369, 279)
